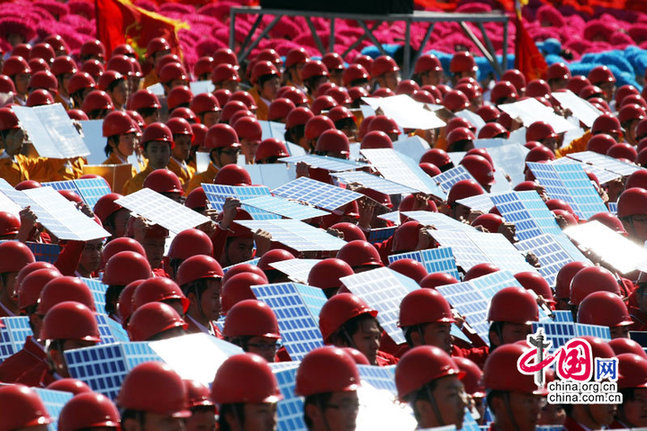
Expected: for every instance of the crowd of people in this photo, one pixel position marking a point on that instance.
(156, 294)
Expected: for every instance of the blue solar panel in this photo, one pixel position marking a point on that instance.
(98, 290)
(383, 290)
(284, 207)
(323, 162)
(563, 316)
(551, 254)
(380, 234)
(44, 252)
(439, 259)
(313, 298)
(528, 212)
(54, 402)
(467, 254)
(251, 262)
(378, 377)
(103, 367)
(316, 193)
(469, 423)
(561, 332)
(451, 176)
(290, 408)
(63, 185)
(298, 326)
(393, 217)
(92, 189)
(603, 175)
(613, 207)
(296, 234)
(373, 182)
(217, 194)
(13, 335)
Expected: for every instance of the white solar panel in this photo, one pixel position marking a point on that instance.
(373, 182)
(316, 193)
(467, 254)
(297, 270)
(530, 110)
(552, 256)
(439, 259)
(478, 202)
(284, 207)
(393, 217)
(605, 162)
(451, 176)
(298, 326)
(332, 164)
(8, 205)
(62, 218)
(438, 220)
(381, 289)
(609, 246)
(296, 234)
(500, 251)
(159, 209)
(528, 212)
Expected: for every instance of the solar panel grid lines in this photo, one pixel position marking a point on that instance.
(552, 257)
(481, 202)
(378, 377)
(296, 234)
(451, 176)
(332, 164)
(284, 207)
(54, 402)
(13, 335)
(528, 212)
(465, 251)
(397, 168)
(290, 408)
(605, 162)
(380, 234)
(500, 251)
(613, 207)
(92, 189)
(438, 220)
(373, 182)
(44, 252)
(603, 175)
(562, 332)
(316, 193)
(563, 316)
(296, 269)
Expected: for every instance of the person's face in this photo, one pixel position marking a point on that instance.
(156, 57)
(210, 299)
(260, 417)
(438, 334)
(154, 248)
(249, 148)
(634, 412)
(270, 88)
(91, 256)
(637, 228)
(201, 421)
(155, 422)
(558, 84)
(211, 118)
(63, 83)
(450, 398)
(126, 145)
(228, 156)
(158, 154)
(133, 83)
(431, 77)
(619, 332)
(367, 339)
(121, 222)
(603, 414)
(21, 81)
(525, 408)
(177, 83)
(182, 148)
(266, 347)
(390, 80)
(295, 74)
(513, 332)
(336, 77)
(460, 212)
(152, 118)
(9, 291)
(240, 250)
(608, 88)
(340, 413)
(230, 85)
(119, 94)
(14, 142)
(552, 414)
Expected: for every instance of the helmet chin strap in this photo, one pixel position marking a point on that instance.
(434, 406)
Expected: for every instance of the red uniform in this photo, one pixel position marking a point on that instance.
(571, 425)
(28, 366)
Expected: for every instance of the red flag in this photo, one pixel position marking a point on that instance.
(527, 57)
(120, 21)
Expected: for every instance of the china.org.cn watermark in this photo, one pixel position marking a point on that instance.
(580, 378)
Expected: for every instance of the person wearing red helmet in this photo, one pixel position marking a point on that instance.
(158, 144)
(462, 65)
(347, 321)
(120, 132)
(385, 72)
(246, 392)
(461, 190)
(182, 139)
(266, 80)
(203, 410)
(328, 378)
(113, 217)
(605, 123)
(22, 409)
(295, 125)
(223, 146)
(155, 321)
(269, 151)
(481, 169)
(14, 256)
(632, 212)
(295, 59)
(512, 310)
(629, 116)
(249, 133)
(63, 68)
(605, 309)
(16, 68)
(252, 325)
(632, 384)
(513, 397)
(425, 319)
(428, 70)
(315, 74)
(89, 411)
(430, 382)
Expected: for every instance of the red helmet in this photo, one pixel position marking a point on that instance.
(41, 97)
(316, 125)
(622, 150)
(420, 366)
(92, 48)
(106, 205)
(43, 50)
(334, 141)
(480, 168)
(589, 280)
(171, 72)
(121, 244)
(631, 112)
(77, 114)
(462, 62)
(637, 179)
(268, 54)
(353, 73)
(108, 77)
(180, 126)
(248, 128)
(14, 256)
(540, 130)
(279, 109)
(473, 378)
(126, 267)
(158, 289)
(491, 222)
(502, 91)
(326, 274)
(405, 237)
(27, 184)
(96, 100)
(251, 318)
(376, 139)
(424, 306)
(6, 85)
(152, 319)
(197, 394)
(436, 279)
(121, 64)
(9, 223)
(641, 131)
(269, 148)
(631, 202)
(204, 66)
(455, 100)
(564, 277)
(93, 67)
(198, 267)
(604, 309)
(350, 231)
(515, 77)
(479, 270)
(224, 72)
(493, 130)
(125, 302)
(436, 157)
(15, 65)
(359, 253)
(69, 320)
(430, 169)
(610, 221)
(74, 386)
(199, 134)
(323, 103)
(158, 132)
(274, 255)
(531, 280)
(558, 71)
(410, 268)
(221, 136)
(118, 123)
(244, 267)
(44, 80)
(237, 288)
(246, 98)
(64, 288)
(31, 286)
(459, 134)
(196, 199)
(340, 113)
(8, 119)
(163, 181)
(538, 88)
(154, 387)
(463, 189)
(31, 267)
(245, 378)
(591, 91)
(384, 124)
(263, 68)
(143, 99)
(21, 407)
(233, 175)
(223, 95)
(407, 86)
(179, 95)
(632, 371)
(190, 242)
(426, 63)
(540, 153)
(514, 305)
(296, 56)
(606, 123)
(155, 45)
(627, 345)
(88, 410)
(326, 369)
(225, 55)
(338, 310)
(600, 143)
(383, 64)
(501, 373)
(333, 61)
(601, 75)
